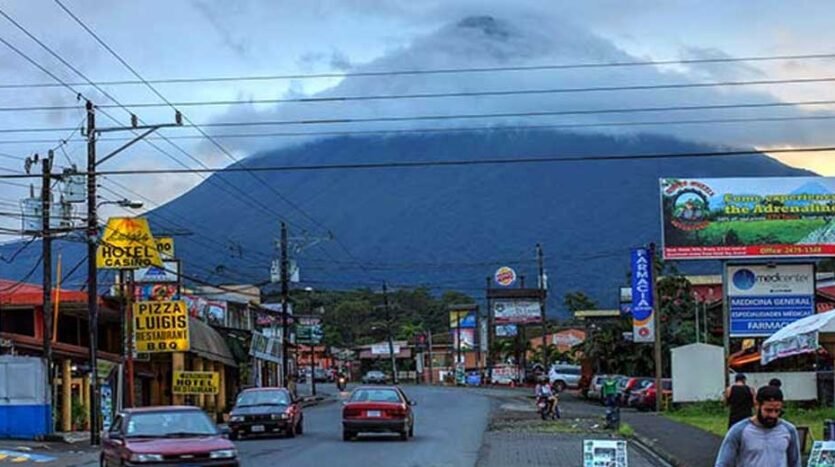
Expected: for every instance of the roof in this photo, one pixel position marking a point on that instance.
(580, 314)
(21, 293)
(208, 343)
(270, 388)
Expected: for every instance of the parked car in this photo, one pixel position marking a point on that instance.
(378, 409)
(595, 391)
(374, 377)
(565, 376)
(632, 384)
(645, 398)
(266, 410)
(167, 435)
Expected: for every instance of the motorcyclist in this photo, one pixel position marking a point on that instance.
(341, 380)
(544, 391)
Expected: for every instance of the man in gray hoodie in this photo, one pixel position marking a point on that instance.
(763, 440)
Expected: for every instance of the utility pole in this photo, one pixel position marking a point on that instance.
(46, 244)
(285, 299)
(92, 282)
(541, 261)
(659, 392)
(490, 334)
(431, 370)
(92, 132)
(388, 331)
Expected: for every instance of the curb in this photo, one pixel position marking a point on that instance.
(658, 452)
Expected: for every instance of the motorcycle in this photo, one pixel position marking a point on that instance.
(552, 413)
(341, 383)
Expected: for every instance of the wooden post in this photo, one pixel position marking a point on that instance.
(85, 397)
(220, 398)
(156, 387)
(197, 365)
(66, 396)
(178, 363)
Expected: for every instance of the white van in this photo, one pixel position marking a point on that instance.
(565, 376)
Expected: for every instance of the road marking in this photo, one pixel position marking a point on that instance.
(18, 457)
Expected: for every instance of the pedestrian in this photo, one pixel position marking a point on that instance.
(610, 391)
(740, 400)
(776, 383)
(763, 440)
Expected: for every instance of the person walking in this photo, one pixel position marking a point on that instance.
(740, 400)
(763, 440)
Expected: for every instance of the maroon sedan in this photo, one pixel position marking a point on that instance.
(162, 436)
(265, 411)
(378, 409)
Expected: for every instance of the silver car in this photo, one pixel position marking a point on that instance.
(565, 376)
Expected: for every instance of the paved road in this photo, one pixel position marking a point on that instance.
(449, 427)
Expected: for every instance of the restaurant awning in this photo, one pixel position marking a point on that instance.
(208, 343)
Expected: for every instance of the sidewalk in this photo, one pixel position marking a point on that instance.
(679, 444)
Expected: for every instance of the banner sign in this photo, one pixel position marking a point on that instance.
(822, 455)
(383, 349)
(505, 276)
(127, 243)
(605, 453)
(464, 318)
(467, 339)
(210, 311)
(643, 323)
(156, 292)
(168, 273)
(165, 247)
(765, 217)
(160, 326)
(506, 330)
(505, 374)
(196, 382)
(309, 330)
(763, 299)
(265, 348)
(516, 311)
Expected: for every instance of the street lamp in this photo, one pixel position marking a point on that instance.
(123, 203)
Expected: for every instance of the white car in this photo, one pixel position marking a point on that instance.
(565, 376)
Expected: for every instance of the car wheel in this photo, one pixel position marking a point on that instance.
(291, 431)
(404, 435)
(102, 462)
(412, 431)
(300, 427)
(560, 386)
(347, 435)
(233, 436)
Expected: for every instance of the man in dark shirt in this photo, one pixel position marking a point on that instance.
(740, 400)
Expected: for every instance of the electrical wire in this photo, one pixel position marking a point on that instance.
(444, 71)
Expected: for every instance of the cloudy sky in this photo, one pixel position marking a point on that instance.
(165, 39)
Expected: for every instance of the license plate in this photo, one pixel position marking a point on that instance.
(374, 413)
(257, 428)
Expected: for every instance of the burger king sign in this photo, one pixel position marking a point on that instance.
(505, 276)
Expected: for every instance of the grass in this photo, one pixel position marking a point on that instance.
(713, 417)
(749, 233)
(626, 430)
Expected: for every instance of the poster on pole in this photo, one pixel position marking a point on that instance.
(643, 322)
(766, 217)
(516, 311)
(506, 330)
(463, 318)
(467, 339)
(161, 326)
(195, 382)
(762, 299)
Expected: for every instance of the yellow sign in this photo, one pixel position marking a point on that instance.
(196, 382)
(165, 247)
(127, 243)
(160, 326)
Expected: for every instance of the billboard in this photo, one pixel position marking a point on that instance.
(382, 348)
(169, 273)
(506, 330)
(505, 276)
(464, 318)
(195, 382)
(519, 311)
(127, 243)
(763, 299)
(309, 330)
(467, 337)
(716, 218)
(160, 326)
(643, 323)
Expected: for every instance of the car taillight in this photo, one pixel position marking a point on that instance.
(351, 413)
(397, 412)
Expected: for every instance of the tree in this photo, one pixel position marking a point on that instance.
(576, 301)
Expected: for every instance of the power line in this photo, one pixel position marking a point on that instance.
(25, 278)
(463, 162)
(459, 94)
(554, 113)
(661, 123)
(440, 71)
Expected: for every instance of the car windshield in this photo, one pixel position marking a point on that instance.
(375, 374)
(169, 424)
(376, 395)
(250, 398)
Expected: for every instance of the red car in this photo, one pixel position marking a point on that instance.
(172, 435)
(266, 410)
(378, 409)
(645, 398)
